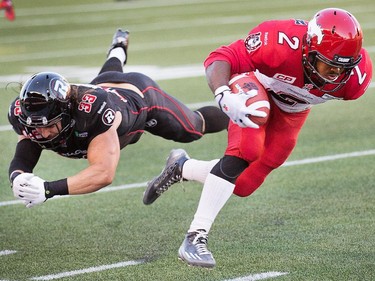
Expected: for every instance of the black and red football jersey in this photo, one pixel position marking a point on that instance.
(93, 110)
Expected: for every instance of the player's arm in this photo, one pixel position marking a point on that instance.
(25, 158)
(218, 74)
(103, 155)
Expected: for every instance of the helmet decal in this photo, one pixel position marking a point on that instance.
(59, 88)
(314, 29)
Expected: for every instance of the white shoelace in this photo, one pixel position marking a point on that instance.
(200, 243)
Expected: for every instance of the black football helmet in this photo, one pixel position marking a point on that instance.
(334, 37)
(44, 102)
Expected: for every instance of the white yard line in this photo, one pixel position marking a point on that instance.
(259, 276)
(286, 164)
(253, 277)
(329, 158)
(7, 252)
(87, 270)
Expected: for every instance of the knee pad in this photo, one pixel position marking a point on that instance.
(229, 168)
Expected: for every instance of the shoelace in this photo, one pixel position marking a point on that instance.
(200, 243)
(172, 180)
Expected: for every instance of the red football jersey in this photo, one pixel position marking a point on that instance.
(273, 50)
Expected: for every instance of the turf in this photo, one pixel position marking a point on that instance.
(312, 221)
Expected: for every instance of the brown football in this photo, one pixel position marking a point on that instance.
(258, 97)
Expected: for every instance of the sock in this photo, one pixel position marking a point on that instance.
(117, 53)
(216, 192)
(214, 119)
(197, 170)
(111, 64)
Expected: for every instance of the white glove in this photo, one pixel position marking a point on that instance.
(35, 194)
(234, 105)
(30, 189)
(20, 183)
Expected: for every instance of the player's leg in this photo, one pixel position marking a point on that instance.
(117, 53)
(281, 138)
(179, 167)
(214, 119)
(217, 189)
(171, 119)
(263, 153)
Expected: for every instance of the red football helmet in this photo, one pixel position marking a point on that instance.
(334, 37)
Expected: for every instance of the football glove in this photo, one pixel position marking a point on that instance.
(19, 184)
(30, 189)
(234, 105)
(35, 193)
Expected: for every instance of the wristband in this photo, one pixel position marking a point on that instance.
(221, 89)
(59, 187)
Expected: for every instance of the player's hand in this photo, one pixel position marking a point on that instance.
(35, 192)
(20, 183)
(234, 105)
(30, 189)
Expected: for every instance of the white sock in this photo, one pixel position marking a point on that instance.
(117, 53)
(216, 192)
(197, 170)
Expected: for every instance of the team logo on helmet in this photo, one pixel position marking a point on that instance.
(59, 88)
(315, 30)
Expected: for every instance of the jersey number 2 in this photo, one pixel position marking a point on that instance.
(293, 42)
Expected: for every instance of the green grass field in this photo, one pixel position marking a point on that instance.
(309, 221)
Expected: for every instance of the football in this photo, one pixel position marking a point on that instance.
(258, 98)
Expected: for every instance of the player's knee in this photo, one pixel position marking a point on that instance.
(253, 177)
(229, 168)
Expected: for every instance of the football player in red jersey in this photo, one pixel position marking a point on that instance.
(7, 5)
(94, 121)
(300, 64)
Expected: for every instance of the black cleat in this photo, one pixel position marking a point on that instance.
(171, 174)
(120, 39)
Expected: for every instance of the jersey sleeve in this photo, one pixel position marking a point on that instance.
(94, 113)
(263, 49)
(235, 54)
(13, 113)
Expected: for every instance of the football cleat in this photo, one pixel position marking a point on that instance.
(171, 174)
(120, 39)
(7, 5)
(193, 249)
